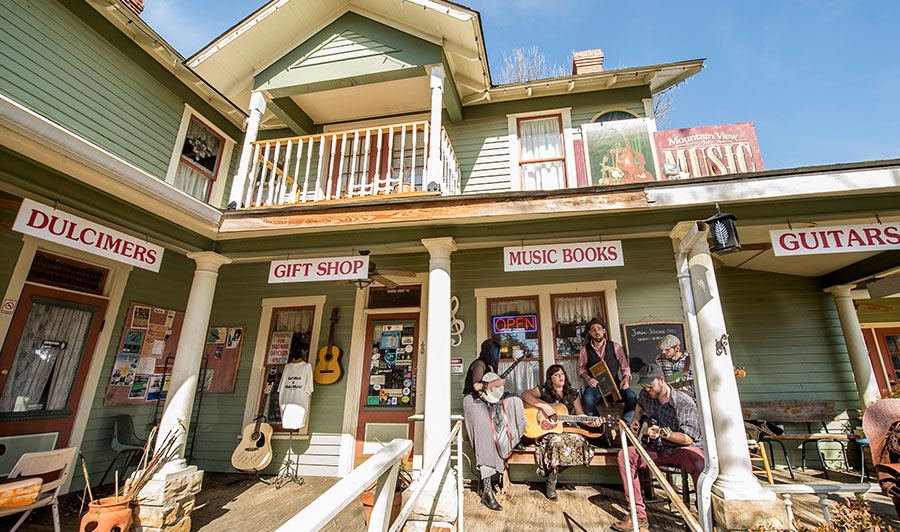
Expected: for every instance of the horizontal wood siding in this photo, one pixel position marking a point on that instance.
(482, 149)
(54, 64)
(169, 289)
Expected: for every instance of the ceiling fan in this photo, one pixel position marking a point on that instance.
(377, 274)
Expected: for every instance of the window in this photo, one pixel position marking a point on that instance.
(614, 114)
(571, 313)
(290, 337)
(542, 160)
(515, 324)
(200, 158)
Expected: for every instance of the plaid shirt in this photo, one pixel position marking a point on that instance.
(671, 367)
(679, 414)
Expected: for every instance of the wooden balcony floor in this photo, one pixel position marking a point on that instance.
(239, 502)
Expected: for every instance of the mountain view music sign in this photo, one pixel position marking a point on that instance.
(836, 239)
(709, 150)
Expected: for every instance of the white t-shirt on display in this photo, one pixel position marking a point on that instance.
(293, 394)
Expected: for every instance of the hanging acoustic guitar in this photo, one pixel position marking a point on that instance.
(328, 368)
(255, 450)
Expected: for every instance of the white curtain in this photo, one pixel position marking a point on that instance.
(577, 309)
(191, 181)
(41, 376)
(298, 321)
(541, 139)
(202, 148)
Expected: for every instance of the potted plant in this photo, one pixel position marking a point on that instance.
(404, 480)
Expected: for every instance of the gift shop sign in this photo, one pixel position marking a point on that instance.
(45, 222)
(327, 269)
(838, 239)
(563, 256)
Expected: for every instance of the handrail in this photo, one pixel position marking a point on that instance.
(381, 466)
(425, 476)
(822, 490)
(689, 519)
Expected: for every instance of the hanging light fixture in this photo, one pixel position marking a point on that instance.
(362, 283)
(724, 233)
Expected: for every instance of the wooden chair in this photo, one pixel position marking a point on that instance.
(34, 464)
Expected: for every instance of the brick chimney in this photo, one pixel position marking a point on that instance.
(135, 5)
(587, 62)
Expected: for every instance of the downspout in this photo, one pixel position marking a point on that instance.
(711, 458)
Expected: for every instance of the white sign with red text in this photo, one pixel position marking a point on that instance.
(562, 256)
(837, 239)
(73, 231)
(327, 269)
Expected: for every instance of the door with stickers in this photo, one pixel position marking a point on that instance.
(388, 394)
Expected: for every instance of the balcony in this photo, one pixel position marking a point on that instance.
(378, 162)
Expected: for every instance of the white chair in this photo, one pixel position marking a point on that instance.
(32, 464)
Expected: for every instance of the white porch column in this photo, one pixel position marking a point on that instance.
(239, 184)
(185, 372)
(739, 501)
(435, 179)
(866, 385)
(437, 347)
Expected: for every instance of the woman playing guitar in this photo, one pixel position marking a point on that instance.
(494, 427)
(555, 451)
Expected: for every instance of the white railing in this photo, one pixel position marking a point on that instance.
(822, 491)
(375, 161)
(381, 467)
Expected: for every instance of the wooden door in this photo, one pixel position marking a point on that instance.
(45, 360)
(388, 395)
(888, 340)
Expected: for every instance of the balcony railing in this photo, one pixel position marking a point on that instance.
(377, 161)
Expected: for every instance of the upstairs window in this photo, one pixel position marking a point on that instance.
(201, 155)
(542, 158)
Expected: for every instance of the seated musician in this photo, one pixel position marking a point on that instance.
(598, 347)
(555, 451)
(672, 360)
(674, 434)
(494, 428)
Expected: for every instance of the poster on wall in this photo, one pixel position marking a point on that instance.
(708, 151)
(222, 354)
(619, 152)
(147, 346)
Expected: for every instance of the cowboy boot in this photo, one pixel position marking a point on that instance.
(487, 495)
(551, 485)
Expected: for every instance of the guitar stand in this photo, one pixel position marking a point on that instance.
(289, 467)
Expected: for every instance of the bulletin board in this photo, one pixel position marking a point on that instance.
(222, 354)
(139, 375)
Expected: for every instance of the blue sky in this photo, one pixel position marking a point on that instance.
(819, 78)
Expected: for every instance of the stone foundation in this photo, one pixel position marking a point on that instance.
(166, 502)
(733, 514)
(436, 509)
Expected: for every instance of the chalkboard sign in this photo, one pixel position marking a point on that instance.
(640, 340)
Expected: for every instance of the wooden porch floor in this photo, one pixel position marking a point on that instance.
(238, 502)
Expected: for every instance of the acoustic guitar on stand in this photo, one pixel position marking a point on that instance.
(329, 369)
(255, 450)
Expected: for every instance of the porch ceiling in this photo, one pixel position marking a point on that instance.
(365, 101)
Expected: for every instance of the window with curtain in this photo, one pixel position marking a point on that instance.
(542, 158)
(517, 339)
(571, 314)
(297, 321)
(199, 160)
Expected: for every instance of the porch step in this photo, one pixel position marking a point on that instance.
(322, 457)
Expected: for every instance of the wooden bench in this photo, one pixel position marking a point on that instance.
(808, 412)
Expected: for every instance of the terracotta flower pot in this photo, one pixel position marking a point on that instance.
(107, 515)
(400, 188)
(368, 501)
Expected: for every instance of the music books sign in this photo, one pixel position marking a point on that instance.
(73, 231)
(327, 269)
(837, 239)
(563, 256)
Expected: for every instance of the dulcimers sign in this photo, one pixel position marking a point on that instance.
(73, 231)
(327, 269)
(837, 239)
(563, 256)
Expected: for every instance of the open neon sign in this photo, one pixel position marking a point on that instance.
(515, 324)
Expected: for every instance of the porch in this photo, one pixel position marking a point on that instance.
(392, 160)
(232, 501)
